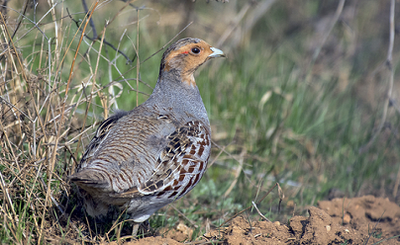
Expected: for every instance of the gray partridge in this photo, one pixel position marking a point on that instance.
(144, 159)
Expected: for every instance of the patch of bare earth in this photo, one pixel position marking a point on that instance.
(361, 220)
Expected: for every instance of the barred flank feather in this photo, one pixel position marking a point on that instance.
(144, 159)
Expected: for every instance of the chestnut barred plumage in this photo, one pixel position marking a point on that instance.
(146, 158)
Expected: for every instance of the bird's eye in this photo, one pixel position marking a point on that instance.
(195, 50)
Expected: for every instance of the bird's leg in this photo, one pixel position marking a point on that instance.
(135, 229)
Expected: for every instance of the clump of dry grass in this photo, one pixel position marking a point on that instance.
(42, 92)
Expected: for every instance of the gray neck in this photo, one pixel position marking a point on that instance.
(183, 98)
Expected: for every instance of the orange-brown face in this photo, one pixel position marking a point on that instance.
(188, 57)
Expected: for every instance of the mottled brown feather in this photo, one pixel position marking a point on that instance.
(146, 158)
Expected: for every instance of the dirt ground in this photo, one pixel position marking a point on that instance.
(362, 220)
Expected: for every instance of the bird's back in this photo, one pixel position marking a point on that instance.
(146, 158)
(143, 153)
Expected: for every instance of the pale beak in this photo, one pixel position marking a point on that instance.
(216, 53)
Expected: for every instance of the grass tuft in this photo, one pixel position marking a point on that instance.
(278, 114)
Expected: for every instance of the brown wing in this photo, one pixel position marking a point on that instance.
(182, 162)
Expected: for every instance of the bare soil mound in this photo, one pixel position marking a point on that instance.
(362, 220)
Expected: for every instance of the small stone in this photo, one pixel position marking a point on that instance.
(277, 223)
(183, 228)
(346, 218)
(328, 228)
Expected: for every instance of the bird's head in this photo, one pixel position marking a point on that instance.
(185, 56)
